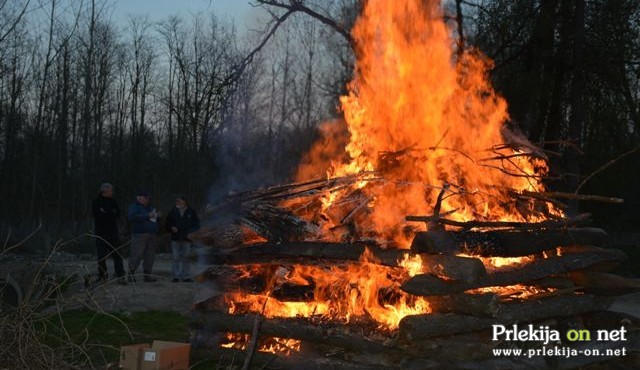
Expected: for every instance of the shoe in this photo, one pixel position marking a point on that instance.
(121, 280)
(187, 280)
(175, 280)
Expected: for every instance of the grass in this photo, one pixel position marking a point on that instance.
(98, 336)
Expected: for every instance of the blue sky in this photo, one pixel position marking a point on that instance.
(237, 10)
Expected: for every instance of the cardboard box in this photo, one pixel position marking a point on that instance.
(131, 356)
(160, 355)
(166, 356)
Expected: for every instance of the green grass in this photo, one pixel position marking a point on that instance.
(100, 335)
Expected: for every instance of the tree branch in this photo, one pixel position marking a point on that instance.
(298, 6)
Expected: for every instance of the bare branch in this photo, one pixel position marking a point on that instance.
(604, 167)
(298, 6)
(15, 23)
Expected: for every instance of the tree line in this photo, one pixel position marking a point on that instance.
(192, 105)
(172, 106)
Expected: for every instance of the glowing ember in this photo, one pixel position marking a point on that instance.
(519, 291)
(492, 264)
(270, 345)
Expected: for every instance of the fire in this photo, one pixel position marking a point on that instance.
(519, 291)
(270, 345)
(419, 121)
(492, 264)
(422, 117)
(341, 293)
(413, 264)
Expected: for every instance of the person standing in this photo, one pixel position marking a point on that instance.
(144, 228)
(106, 214)
(181, 221)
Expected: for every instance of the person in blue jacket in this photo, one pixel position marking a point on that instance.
(181, 221)
(144, 240)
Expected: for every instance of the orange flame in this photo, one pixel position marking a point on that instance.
(341, 292)
(423, 118)
(283, 346)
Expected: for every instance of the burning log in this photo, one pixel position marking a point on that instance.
(485, 305)
(334, 335)
(268, 252)
(453, 267)
(576, 258)
(595, 198)
(293, 361)
(434, 325)
(503, 243)
(275, 223)
(547, 224)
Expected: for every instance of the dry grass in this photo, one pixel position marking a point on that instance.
(27, 328)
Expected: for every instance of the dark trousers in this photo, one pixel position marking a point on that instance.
(143, 249)
(108, 248)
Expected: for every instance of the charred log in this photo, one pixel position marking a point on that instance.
(266, 252)
(576, 258)
(296, 328)
(484, 305)
(547, 224)
(453, 267)
(435, 325)
(504, 243)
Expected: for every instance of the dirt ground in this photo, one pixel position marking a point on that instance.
(162, 295)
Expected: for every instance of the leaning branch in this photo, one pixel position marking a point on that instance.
(298, 6)
(249, 58)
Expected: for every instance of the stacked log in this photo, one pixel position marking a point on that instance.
(569, 276)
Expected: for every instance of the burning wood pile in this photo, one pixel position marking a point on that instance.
(359, 304)
(430, 225)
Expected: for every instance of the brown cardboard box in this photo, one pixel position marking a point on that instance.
(166, 356)
(131, 356)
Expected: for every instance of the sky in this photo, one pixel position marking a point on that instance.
(239, 11)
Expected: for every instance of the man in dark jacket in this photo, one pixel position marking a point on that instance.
(181, 221)
(144, 228)
(106, 214)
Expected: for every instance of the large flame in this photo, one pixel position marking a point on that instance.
(423, 117)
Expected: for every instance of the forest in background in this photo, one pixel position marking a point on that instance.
(193, 105)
